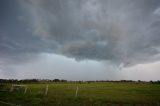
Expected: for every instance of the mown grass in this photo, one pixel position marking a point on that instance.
(93, 94)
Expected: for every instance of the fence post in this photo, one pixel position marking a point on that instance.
(25, 90)
(46, 91)
(11, 88)
(76, 91)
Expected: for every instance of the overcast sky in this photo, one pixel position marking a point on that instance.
(80, 39)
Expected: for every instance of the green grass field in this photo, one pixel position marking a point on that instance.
(93, 94)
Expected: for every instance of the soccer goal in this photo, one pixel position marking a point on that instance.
(15, 86)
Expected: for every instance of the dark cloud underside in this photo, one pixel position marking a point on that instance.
(121, 31)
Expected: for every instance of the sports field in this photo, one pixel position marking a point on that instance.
(84, 94)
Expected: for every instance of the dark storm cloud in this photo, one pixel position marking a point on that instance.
(122, 31)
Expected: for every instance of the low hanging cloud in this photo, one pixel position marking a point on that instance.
(124, 32)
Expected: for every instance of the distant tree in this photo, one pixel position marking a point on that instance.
(56, 80)
(151, 82)
(63, 80)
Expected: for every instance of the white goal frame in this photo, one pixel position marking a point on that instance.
(15, 85)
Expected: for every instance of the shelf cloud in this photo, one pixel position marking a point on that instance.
(124, 32)
(119, 31)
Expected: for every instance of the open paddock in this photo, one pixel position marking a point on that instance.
(84, 94)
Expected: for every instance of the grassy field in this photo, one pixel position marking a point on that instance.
(93, 94)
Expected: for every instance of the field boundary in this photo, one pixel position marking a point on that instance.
(10, 104)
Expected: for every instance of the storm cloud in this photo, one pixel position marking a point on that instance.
(121, 31)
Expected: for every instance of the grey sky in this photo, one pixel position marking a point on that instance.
(110, 33)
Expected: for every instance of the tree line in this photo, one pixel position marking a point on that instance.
(62, 80)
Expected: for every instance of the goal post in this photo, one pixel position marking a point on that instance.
(15, 85)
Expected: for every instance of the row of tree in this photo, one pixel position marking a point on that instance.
(62, 80)
(30, 80)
